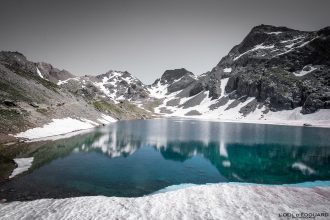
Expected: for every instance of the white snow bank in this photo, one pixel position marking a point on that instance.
(304, 72)
(23, 164)
(158, 91)
(257, 47)
(61, 82)
(320, 118)
(106, 119)
(174, 188)
(275, 32)
(56, 127)
(39, 73)
(62, 126)
(216, 201)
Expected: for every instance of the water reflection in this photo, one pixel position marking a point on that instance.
(240, 152)
(134, 158)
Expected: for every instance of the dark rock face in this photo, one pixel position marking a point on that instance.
(53, 74)
(169, 76)
(250, 107)
(177, 79)
(316, 101)
(193, 112)
(173, 102)
(194, 101)
(281, 67)
(221, 102)
(16, 60)
(9, 103)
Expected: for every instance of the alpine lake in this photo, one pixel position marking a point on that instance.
(140, 157)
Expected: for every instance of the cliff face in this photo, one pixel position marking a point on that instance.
(281, 67)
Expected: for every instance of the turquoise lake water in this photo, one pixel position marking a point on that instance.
(140, 157)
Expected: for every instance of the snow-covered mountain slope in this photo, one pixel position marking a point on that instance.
(39, 96)
(170, 82)
(274, 69)
(274, 73)
(115, 85)
(121, 86)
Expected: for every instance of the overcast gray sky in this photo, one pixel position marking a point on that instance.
(144, 37)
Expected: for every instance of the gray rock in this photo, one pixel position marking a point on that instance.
(194, 101)
(248, 108)
(34, 104)
(193, 112)
(221, 102)
(233, 104)
(173, 102)
(9, 103)
(165, 110)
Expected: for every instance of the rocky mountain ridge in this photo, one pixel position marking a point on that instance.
(32, 94)
(282, 68)
(272, 71)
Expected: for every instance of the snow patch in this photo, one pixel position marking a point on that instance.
(158, 91)
(39, 73)
(103, 89)
(106, 119)
(304, 72)
(61, 82)
(257, 47)
(23, 164)
(174, 188)
(63, 126)
(295, 45)
(213, 201)
(275, 32)
(90, 121)
(223, 84)
(291, 40)
(227, 70)
(56, 127)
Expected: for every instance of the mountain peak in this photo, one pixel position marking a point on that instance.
(270, 29)
(53, 74)
(169, 76)
(13, 57)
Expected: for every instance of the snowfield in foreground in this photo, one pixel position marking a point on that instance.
(63, 126)
(216, 201)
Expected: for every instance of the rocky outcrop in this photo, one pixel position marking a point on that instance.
(175, 80)
(281, 67)
(53, 74)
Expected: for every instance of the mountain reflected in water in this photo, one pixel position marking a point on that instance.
(134, 158)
